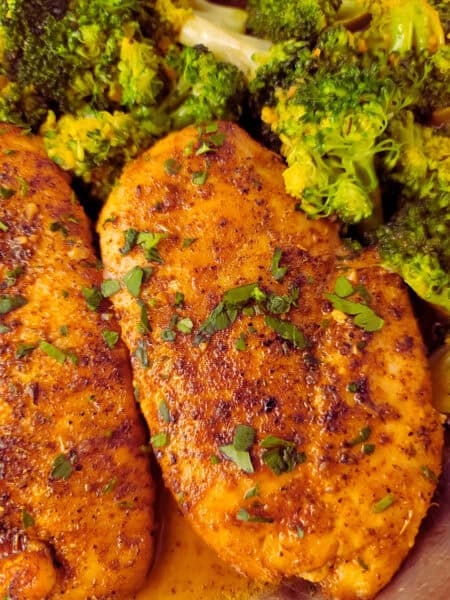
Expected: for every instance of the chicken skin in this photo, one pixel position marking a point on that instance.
(75, 487)
(283, 378)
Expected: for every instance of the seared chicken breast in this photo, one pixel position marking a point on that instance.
(75, 488)
(283, 378)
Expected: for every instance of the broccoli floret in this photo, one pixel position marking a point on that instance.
(279, 20)
(205, 88)
(94, 145)
(416, 243)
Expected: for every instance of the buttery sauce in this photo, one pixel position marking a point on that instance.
(187, 569)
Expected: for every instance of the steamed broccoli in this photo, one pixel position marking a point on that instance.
(204, 89)
(416, 243)
(279, 20)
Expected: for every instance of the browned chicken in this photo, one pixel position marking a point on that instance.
(283, 378)
(75, 489)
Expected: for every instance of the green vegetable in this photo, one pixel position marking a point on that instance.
(363, 436)
(61, 468)
(384, 503)
(244, 515)
(365, 317)
(111, 337)
(241, 343)
(141, 354)
(163, 411)
(185, 325)
(288, 331)
(6, 193)
(130, 241)
(283, 459)
(109, 287)
(343, 287)
(172, 167)
(93, 297)
(144, 323)
(24, 350)
(244, 437)
(277, 272)
(27, 519)
(3, 226)
(109, 487)
(53, 352)
(10, 303)
(149, 243)
(252, 492)
(133, 280)
(272, 441)
(160, 440)
(299, 19)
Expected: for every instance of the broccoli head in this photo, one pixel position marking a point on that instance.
(416, 243)
(279, 20)
(330, 114)
(204, 88)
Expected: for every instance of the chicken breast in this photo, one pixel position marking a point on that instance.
(292, 420)
(75, 488)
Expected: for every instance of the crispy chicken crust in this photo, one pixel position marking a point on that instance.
(83, 530)
(354, 404)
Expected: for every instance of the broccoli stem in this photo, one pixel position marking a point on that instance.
(233, 19)
(243, 51)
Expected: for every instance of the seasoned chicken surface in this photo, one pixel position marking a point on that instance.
(337, 462)
(75, 489)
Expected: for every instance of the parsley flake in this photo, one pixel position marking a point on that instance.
(149, 243)
(383, 504)
(6, 193)
(109, 487)
(141, 354)
(244, 515)
(241, 343)
(130, 241)
(278, 272)
(133, 280)
(61, 468)
(272, 441)
(10, 303)
(363, 436)
(144, 323)
(93, 297)
(109, 287)
(3, 227)
(252, 492)
(429, 474)
(27, 519)
(160, 440)
(364, 317)
(24, 350)
(185, 325)
(188, 242)
(53, 352)
(172, 167)
(288, 331)
(179, 299)
(163, 411)
(199, 177)
(111, 337)
(343, 287)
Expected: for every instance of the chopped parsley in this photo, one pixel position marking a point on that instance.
(109, 287)
(429, 474)
(27, 519)
(6, 193)
(278, 272)
(10, 303)
(278, 305)
(199, 177)
(188, 242)
(130, 241)
(24, 350)
(368, 448)
(288, 331)
(109, 487)
(244, 515)
(272, 441)
(4, 328)
(185, 325)
(143, 326)
(133, 280)
(93, 297)
(3, 227)
(172, 167)
(141, 354)
(283, 459)
(111, 337)
(343, 287)
(160, 440)
(179, 299)
(63, 330)
(364, 566)
(363, 436)
(244, 437)
(383, 504)
(252, 492)
(163, 411)
(149, 243)
(364, 316)
(61, 468)
(58, 226)
(241, 343)
(214, 459)
(53, 352)
(300, 533)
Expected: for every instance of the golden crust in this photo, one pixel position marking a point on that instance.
(90, 535)
(323, 526)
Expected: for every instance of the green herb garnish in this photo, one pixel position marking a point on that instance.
(144, 323)
(364, 316)
(130, 241)
(288, 331)
(429, 474)
(160, 440)
(163, 411)
(272, 441)
(53, 352)
(27, 519)
(109, 287)
(58, 226)
(6, 193)
(188, 242)
(343, 287)
(172, 167)
(141, 354)
(241, 343)
(244, 515)
(383, 504)
(149, 243)
(3, 227)
(111, 337)
(185, 325)
(179, 299)
(10, 303)
(61, 468)
(368, 448)
(109, 487)
(363, 436)
(278, 305)
(277, 272)
(133, 280)
(199, 177)
(93, 297)
(24, 350)
(300, 533)
(252, 492)
(244, 437)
